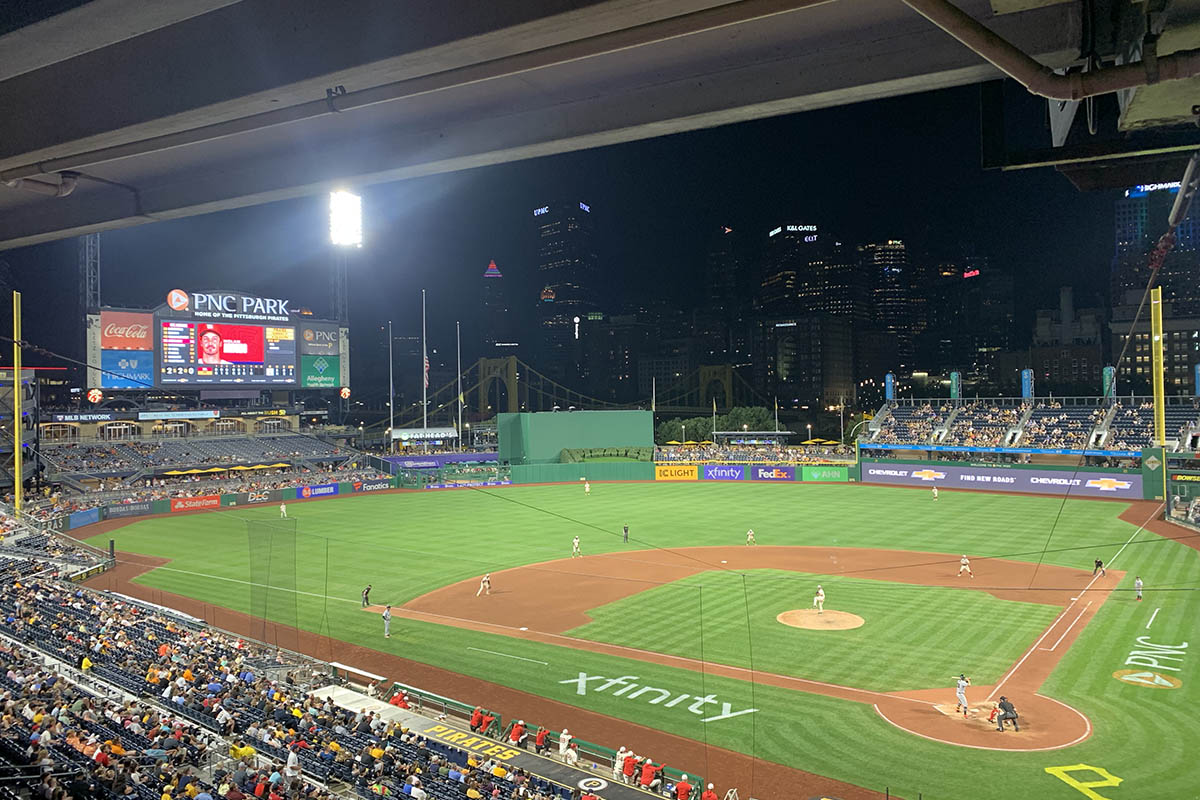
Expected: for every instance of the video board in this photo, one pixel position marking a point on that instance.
(214, 338)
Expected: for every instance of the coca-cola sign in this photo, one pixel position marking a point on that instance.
(125, 330)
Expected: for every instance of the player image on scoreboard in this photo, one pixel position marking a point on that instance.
(210, 352)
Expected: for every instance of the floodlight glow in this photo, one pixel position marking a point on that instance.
(345, 219)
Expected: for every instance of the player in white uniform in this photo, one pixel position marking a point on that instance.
(935, 493)
(283, 511)
(485, 585)
(960, 693)
(587, 488)
(387, 622)
(750, 537)
(964, 565)
(819, 600)
(575, 551)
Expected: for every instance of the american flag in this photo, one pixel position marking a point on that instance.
(426, 372)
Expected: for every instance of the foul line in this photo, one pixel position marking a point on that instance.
(1078, 617)
(1058, 619)
(251, 583)
(1152, 616)
(507, 655)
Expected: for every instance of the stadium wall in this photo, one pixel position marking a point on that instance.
(592, 470)
(540, 438)
(1125, 484)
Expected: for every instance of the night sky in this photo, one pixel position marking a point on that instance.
(902, 168)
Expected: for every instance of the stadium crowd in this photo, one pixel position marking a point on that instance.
(751, 454)
(130, 456)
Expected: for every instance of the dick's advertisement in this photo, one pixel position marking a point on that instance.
(1038, 481)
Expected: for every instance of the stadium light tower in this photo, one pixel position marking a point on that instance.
(345, 232)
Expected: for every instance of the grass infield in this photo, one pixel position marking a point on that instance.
(409, 544)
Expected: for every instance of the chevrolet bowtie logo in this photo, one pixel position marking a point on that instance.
(1108, 484)
(928, 475)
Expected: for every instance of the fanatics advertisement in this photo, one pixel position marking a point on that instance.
(724, 472)
(776, 473)
(371, 486)
(1057, 482)
(195, 503)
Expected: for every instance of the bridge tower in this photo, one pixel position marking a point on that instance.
(498, 369)
(722, 376)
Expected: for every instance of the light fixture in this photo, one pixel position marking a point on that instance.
(345, 219)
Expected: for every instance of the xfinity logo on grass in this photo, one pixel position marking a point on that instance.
(654, 696)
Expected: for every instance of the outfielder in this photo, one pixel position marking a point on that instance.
(935, 494)
(964, 565)
(819, 600)
(750, 537)
(575, 551)
(1137, 584)
(587, 488)
(485, 585)
(960, 693)
(283, 511)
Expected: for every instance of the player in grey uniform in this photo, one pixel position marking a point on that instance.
(960, 692)
(1137, 584)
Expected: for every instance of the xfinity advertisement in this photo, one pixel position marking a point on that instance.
(724, 472)
(1057, 482)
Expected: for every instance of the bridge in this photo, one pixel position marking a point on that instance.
(495, 385)
(122, 112)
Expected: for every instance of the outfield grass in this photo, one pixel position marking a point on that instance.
(410, 544)
(705, 616)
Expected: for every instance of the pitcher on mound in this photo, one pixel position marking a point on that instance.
(819, 600)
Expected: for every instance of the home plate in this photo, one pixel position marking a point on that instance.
(524, 629)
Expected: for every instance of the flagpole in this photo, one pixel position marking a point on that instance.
(714, 425)
(458, 350)
(777, 415)
(424, 378)
(391, 391)
(653, 394)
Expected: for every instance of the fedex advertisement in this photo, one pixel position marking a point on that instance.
(1126, 486)
(324, 490)
(773, 473)
(724, 472)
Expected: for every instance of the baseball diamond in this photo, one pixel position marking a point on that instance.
(672, 644)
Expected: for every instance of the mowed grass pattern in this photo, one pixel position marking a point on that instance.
(705, 616)
(408, 544)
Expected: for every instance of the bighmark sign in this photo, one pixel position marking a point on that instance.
(627, 688)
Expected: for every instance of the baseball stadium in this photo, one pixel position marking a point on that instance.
(685, 631)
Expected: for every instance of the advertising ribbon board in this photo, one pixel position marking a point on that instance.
(371, 486)
(309, 492)
(81, 518)
(671, 472)
(128, 510)
(825, 474)
(1037, 481)
(195, 503)
(724, 472)
(777, 472)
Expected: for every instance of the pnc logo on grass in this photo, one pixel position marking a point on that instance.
(1152, 680)
(929, 475)
(1107, 484)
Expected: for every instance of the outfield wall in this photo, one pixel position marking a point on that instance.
(1125, 484)
(576, 471)
(540, 438)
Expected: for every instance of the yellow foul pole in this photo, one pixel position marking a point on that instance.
(16, 424)
(1156, 354)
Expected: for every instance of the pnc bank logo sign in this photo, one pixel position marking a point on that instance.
(178, 300)
(929, 475)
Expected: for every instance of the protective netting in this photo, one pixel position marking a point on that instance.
(274, 605)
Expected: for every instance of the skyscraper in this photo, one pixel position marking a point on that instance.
(569, 273)
(808, 271)
(499, 337)
(1141, 217)
(887, 265)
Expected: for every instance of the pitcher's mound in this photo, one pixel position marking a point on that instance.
(828, 621)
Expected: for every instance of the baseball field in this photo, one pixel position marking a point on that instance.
(680, 642)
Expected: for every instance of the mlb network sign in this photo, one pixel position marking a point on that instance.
(1037, 481)
(774, 473)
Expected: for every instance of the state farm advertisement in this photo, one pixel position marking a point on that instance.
(1127, 486)
(195, 503)
(125, 330)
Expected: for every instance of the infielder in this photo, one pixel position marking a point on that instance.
(960, 693)
(387, 622)
(366, 596)
(485, 585)
(935, 494)
(819, 600)
(626, 534)
(283, 511)
(750, 537)
(964, 565)
(1137, 585)
(575, 551)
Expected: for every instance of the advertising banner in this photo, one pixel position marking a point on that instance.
(949, 448)
(81, 518)
(211, 413)
(773, 473)
(58, 523)
(318, 340)
(1038, 481)
(441, 459)
(724, 472)
(195, 503)
(825, 474)
(1027, 384)
(99, 416)
(125, 369)
(466, 485)
(324, 490)
(670, 472)
(371, 486)
(263, 497)
(126, 330)
(889, 387)
(1109, 381)
(128, 510)
(955, 385)
(319, 372)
